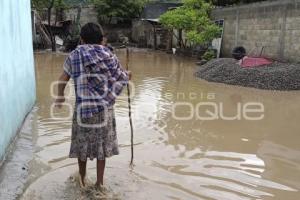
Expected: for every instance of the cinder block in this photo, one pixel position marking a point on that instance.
(261, 24)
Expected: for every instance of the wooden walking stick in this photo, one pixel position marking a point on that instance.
(129, 109)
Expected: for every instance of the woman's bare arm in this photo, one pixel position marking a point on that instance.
(62, 83)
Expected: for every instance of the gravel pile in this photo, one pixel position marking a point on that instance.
(276, 76)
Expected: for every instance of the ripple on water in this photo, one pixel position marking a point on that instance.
(178, 159)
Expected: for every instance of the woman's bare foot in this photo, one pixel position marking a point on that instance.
(100, 187)
(81, 181)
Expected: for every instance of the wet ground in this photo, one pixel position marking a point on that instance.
(178, 153)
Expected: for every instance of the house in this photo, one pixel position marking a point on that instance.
(148, 32)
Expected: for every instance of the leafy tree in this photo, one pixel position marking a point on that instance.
(193, 19)
(122, 9)
(41, 5)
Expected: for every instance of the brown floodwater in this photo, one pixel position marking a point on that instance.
(178, 153)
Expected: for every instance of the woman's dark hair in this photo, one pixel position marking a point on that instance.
(92, 33)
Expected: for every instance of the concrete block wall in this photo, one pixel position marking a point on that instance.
(292, 33)
(17, 75)
(273, 24)
(142, 33)
(88, 14)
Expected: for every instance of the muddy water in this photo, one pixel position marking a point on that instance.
(178, 154)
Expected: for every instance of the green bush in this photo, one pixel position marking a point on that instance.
(192, 18)
(121, 9)
(209, 55)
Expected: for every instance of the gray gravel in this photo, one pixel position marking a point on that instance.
(276, 76)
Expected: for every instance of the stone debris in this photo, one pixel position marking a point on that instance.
(275, 76)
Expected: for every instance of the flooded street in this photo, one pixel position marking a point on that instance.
(178, 154)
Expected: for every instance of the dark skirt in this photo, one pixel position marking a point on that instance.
(95, 137)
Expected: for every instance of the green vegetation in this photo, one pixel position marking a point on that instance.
(118, 9)
(209, 55)
(48, 4)
(58, 6)
(77, 2)
(41, 5)
(193, 19)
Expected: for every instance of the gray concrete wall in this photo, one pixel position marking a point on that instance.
(88, 14)
(17, 75)
(142, 33)
(273, 24)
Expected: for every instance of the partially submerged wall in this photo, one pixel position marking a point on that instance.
(17, 77)
(273, 24)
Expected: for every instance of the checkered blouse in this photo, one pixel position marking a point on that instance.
(98, 77)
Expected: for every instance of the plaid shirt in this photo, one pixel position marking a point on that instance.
(98, 77)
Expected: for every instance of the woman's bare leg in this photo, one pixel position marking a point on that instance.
(100, 172)
(82, 170)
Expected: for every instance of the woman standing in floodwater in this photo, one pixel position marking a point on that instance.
(99, 79)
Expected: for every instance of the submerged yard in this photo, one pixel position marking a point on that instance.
(175, 158)
(215, 132)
